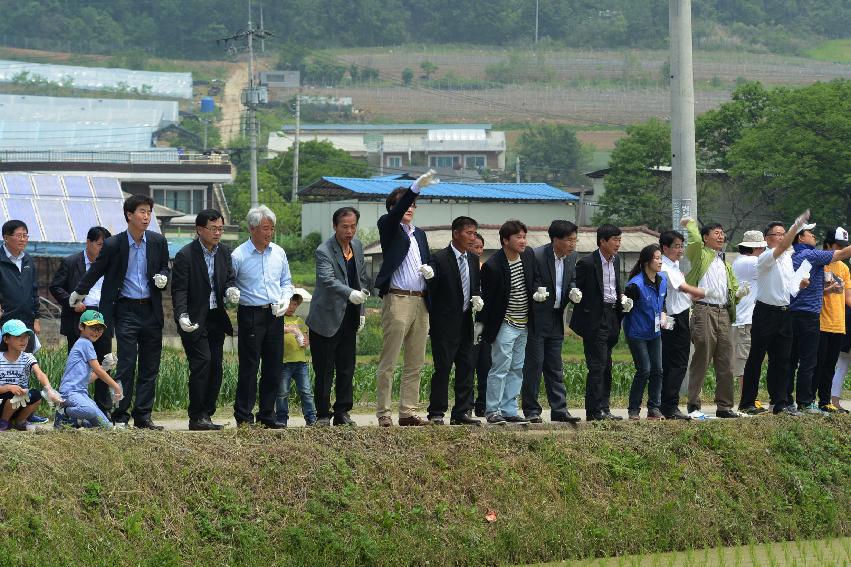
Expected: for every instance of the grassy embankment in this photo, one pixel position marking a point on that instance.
(403, 497)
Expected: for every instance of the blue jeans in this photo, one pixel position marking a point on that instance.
(647, 357)
(297, 371)
(505, 378)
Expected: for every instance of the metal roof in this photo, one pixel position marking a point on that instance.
(386, 127)
(342, 187)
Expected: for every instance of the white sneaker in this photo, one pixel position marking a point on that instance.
(699, 415)
(120, 425)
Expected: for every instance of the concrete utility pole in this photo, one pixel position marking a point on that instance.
(683, 161)
(296, 148)
(517, 169)
(536, 22)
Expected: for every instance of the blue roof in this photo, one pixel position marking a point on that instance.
(332, 186)
(393, 177)
(383, 127)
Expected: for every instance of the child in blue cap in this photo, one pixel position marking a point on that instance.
(16, 368)
(81, 368)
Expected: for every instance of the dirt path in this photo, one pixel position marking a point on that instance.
(231, 105)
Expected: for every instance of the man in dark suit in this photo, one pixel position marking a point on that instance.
(556, 264)
(481, 350)
(65, 280)
(454, 290)
(134, 267)
(18, 280)
(336, 316)
(597, 318)
(404, 313)
(509, 282)
(202, 284)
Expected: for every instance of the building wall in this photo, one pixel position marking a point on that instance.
(316, 217)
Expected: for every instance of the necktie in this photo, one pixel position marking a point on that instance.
(465, 279)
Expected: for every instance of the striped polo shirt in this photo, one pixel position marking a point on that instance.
(517, 314)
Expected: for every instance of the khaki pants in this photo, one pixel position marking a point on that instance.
(741, 348)
(404, 321)
(710, 334)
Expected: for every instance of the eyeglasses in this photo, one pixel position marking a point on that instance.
(19, 236)
(775, 234)
(678, 246)
(215, 230)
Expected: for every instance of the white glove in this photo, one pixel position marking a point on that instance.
(110, 361)
(575, 295)
(51, 396)
(668, 323)
(478, 328)
(627, 304)
(715, 296)
(357, 297)
(187, 325)
(426, 179)
(541, 295)
(232, 295)
(426, 271)
(744, 289)
(801, 220)
(278, 309)
(477, 303)
(361, 323)
(20, 400)
(160, 281)
(685, 220)
(299, 338)
(75, 299)
(117, 395)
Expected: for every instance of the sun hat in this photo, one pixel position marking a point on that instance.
(753, 239)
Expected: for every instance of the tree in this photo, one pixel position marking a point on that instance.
(428, 69)
(407, 76)
(551, 153)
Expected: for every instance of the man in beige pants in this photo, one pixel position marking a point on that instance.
(404, 314)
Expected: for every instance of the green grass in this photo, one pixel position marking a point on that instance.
(837, 50)
(368, 496)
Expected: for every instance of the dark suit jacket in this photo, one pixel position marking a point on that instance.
(447, 298)
(395, 243)
(18, 289)
(589, 279)
(545, 263)
(111, 263)
(190, 284)
(65, 280)
(496, 286)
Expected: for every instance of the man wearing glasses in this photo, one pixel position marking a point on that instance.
(18, 279)
(203, 283)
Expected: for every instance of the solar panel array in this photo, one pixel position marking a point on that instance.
(62, 208)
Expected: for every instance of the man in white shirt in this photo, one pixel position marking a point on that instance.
(771, 330)
(676, 341)
(744, 268)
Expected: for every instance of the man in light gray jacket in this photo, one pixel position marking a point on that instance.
(336, 316)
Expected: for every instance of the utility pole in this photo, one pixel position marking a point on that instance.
(536, 22)
(296, 148)
(251, 96)
(517, 169)
(683, 161)
(262, 40)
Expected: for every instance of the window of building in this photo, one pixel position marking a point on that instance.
(445, 162)
(186, 200)
(394, 161)
(475, 162)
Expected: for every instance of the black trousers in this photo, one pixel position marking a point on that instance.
(261, 339)
(598, 357)
(481, 355)
(204, 349)
(804, 357)
(543, 355)
(771, 333)
(676, 344)
(828, 355)
(140, 337)
(103, 346)
(335, 354)
(447, 351)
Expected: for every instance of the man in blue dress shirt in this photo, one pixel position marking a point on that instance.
(263, 278)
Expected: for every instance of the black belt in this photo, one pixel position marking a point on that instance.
(264, 306)
(610, 305)
(395, 291)
(715, 305)
(143, 301)
(770, 307)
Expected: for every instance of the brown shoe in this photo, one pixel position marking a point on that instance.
(385, 421)
(413, 420)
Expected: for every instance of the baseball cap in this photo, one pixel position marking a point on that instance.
(806, 227)
(91, 317)
(837, 236)
(14, 327)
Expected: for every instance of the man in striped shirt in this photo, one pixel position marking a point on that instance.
(509, 282)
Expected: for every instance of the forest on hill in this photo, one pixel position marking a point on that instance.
(190, 28)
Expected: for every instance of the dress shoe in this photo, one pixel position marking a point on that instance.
(147, 424)
(323, 422)
(496, 419)
(594, 417)
(479, 412)
(515, 419)
(385, 421)
(677, 414)
(272, 425)
(436, 420)
(465, 420)
(344, 419)
(204, 424)
(534, 419)
(565, 417)
(611, 417)
(412, 420)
